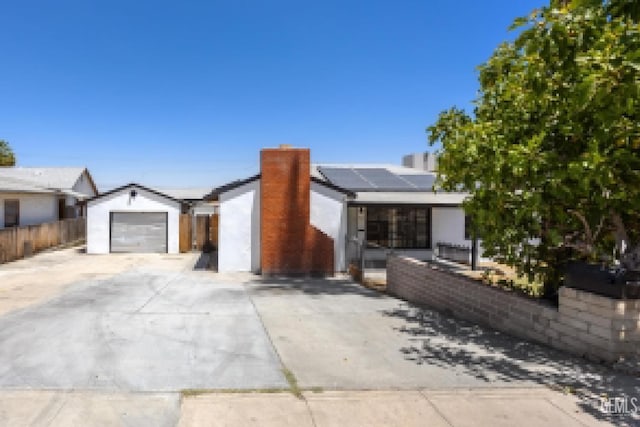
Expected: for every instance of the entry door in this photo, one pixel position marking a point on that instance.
(144, 232)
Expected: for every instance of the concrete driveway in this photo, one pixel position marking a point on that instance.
(119, 337)
(144, 329)
(337, 335)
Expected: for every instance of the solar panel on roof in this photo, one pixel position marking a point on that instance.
(345, 178)
(382, 179)
(422, 182)
(376, 179)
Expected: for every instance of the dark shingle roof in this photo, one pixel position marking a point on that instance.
(215, 193)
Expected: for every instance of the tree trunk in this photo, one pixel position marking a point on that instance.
(629, 255)
(620, 233)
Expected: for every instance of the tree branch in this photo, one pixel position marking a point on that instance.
(599, 228)
(587, 229)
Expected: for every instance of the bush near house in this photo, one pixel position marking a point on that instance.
(551, 153)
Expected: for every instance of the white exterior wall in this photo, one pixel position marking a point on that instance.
(239, 229)
(447, 225)
(83, 186)
(329, 215)
(34, 208)
(98, 218)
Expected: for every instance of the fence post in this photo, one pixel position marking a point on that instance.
(361, 246)
(474, 253)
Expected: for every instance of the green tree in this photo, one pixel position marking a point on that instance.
(551, 155)
(7, 158)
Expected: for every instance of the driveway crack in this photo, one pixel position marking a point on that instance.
(157, 292)
(283, 367)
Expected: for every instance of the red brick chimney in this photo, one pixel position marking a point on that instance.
(290, 245)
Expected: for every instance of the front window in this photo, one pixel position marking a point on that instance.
(11, 213)
(399, 227)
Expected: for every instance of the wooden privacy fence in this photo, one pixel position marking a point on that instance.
(196, 231)
(20, 242)
(213, 230)
(202, 231)
(185, 233)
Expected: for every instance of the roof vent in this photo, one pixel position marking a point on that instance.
(285, 146)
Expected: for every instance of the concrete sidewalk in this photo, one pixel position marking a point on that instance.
(537, 407)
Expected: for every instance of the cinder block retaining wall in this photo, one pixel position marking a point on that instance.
(585, 324)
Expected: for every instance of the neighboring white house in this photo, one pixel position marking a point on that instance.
(133, 218)
(30, 196)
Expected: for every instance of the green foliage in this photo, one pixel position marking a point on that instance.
(7, 158)
(552, 152)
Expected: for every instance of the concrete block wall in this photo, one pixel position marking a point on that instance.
(289, 243)
(608, 327)
(585, 324)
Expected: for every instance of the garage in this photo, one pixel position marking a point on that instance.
(144, 232)
(133, 219)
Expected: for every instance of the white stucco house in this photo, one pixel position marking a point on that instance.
(380, 207)
(31, 196)
(239, 229)
(396, 208)
(133, 218)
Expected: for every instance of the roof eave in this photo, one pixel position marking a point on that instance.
(214, 195)
(133, 184)
(334, 187)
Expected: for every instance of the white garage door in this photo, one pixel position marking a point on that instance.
(139, 232)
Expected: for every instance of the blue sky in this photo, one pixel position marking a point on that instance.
(185, 93)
